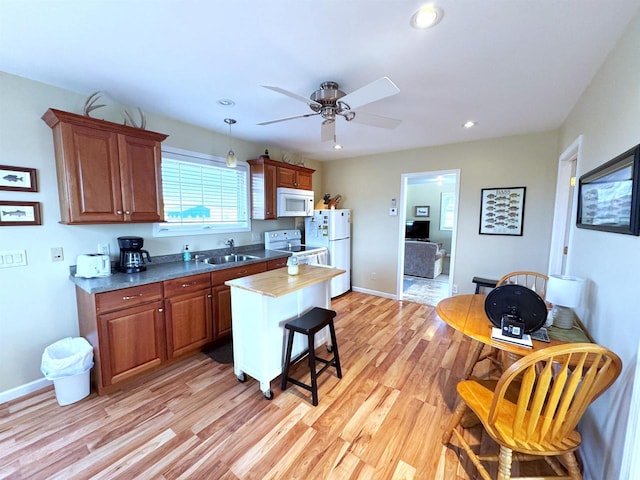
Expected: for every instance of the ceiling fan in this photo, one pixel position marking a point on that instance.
(330, 102)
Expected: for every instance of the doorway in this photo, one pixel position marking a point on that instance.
(428, 203)
(564, 210)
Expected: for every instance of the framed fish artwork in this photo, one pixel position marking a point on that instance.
(18, 179)
(19, 213)
(502, 211)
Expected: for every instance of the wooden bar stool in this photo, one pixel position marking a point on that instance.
(309, 324)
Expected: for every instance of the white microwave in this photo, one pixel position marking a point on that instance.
(294, 203)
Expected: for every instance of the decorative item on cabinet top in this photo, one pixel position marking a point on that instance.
(89, 106)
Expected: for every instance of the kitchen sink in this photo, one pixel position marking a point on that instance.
(222, 259)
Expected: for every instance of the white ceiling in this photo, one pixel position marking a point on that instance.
(514, 66)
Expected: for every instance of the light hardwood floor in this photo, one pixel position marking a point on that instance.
(382, 420)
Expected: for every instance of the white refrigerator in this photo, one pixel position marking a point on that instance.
(332, 229)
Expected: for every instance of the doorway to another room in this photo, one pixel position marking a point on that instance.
(428, 213)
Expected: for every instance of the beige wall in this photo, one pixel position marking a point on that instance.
(369, 183)
(607, 116)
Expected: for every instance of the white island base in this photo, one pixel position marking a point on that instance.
(261, 304)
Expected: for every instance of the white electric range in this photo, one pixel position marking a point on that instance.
(290, 241)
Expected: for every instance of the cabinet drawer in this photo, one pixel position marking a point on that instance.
(128, 297)
(221, 276)
(188, 284)
(277, 263)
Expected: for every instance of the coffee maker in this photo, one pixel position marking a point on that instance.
(131, 255)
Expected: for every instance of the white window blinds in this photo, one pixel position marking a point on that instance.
(201, 193)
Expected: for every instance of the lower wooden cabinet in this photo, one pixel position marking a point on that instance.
(140, 329)
(189, 314)
(132, 341)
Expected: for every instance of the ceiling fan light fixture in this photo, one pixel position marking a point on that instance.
(225, 102)
(426, 17)
(231, 159)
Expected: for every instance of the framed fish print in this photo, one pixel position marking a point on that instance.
(18, 179)
(502, 211)
(19, 213)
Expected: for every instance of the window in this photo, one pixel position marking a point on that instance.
(447, 210)
(202, 195)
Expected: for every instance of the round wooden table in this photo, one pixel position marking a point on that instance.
(466, 314)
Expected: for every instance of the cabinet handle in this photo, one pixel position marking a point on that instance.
(209, 296)
(185, 285)
(131, 297)
(242, 273)
(161, 310)
(128, 212)
(119, 212)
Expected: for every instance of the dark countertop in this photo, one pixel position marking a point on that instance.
(165, 270)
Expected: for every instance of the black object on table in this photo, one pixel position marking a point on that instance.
(484, 282)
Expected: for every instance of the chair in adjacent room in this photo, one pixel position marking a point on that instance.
(533, 281)
(533, 409)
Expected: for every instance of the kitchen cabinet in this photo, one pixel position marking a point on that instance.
(266, 176)
(295, 177)
(107, 173)
(222, 295)
(188, 314)
(277, 263)
(127, 330)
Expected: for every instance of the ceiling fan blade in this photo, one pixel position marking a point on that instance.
(381, 88)
(300, 98)
(328, 131)
(288, 118)
(376, 120)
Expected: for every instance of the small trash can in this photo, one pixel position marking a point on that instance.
(68, 363)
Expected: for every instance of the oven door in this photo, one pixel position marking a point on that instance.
(295, 203)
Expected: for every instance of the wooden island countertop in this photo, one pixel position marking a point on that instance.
(276, 283)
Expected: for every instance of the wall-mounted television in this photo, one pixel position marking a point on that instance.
(417, 230)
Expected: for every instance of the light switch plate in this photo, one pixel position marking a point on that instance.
(13, 258)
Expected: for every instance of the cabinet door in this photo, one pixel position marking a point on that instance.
(141, 179)
(222, 319)
(287, 177)
(189, 322)
(132, 341)
(304, 181)
(90, 165)
(263, 191)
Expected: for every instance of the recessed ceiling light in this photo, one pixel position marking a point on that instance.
(469, 124)
(225, 102)
(337, 146)
(427, 17)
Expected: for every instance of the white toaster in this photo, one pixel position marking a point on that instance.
(93, 265)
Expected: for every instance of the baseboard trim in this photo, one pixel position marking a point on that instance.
(25, 389)
(374, 292)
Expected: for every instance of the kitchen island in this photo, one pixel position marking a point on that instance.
(261, 304)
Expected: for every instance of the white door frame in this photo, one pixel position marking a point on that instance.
(404, 179)
(564, 210)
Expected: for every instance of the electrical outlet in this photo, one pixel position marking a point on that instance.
(57, 255)
(373, 275)
(103, 248)
(255, 237)
(454, 288)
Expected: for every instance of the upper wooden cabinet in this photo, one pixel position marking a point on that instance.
(266, 176)
(107, 173)
(295, 177)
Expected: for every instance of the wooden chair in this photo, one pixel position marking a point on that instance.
(533, 281)
(534, 407)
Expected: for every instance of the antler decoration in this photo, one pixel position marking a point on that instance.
(129, 120)
(89, 104)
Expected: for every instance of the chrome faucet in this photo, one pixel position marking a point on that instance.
(231, 244)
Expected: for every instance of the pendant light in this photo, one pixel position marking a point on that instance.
(232, 161)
